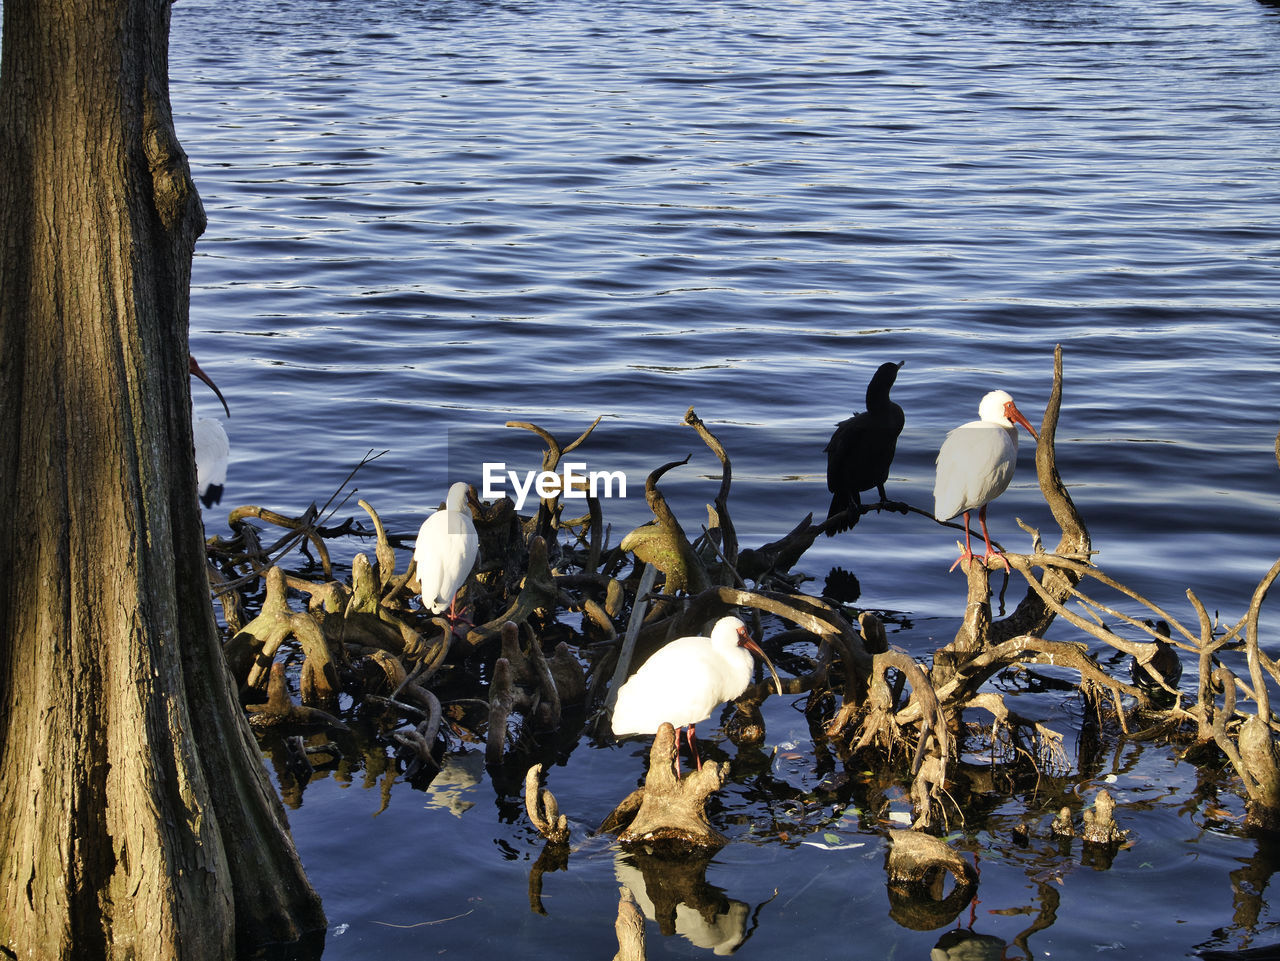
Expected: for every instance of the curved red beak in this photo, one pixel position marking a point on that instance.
(1011, 411)
(194, 368)
(744, 640)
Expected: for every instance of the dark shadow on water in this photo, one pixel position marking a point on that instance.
(309, 948)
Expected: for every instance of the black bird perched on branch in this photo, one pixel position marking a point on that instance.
(861, 449)
(1164, 665)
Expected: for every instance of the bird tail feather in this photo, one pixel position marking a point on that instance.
(840, 503)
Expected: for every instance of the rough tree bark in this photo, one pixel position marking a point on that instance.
(136, 818)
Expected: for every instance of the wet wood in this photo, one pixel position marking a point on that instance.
(1063, 826)
(917, 867)
(1099, 825)
(543, 811)
(279, 709)
(663, 543)
(670, 810)
(917, 858)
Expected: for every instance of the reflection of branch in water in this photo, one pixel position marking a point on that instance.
(1248, 884)
(629, 928)
(1045, 918)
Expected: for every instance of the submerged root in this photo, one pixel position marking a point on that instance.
(1099, 824)
(543, 811)
(917, 865)
(669, 811)
(916, 858)
(280, 711)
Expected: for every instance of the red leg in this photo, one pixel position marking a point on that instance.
(453, 614)
(456, 617)
(968, 553)
(982, 519)
(693, 747)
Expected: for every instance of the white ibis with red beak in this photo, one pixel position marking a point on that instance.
(213, 450)
(682, 682)
(445, 552)
(975, 465)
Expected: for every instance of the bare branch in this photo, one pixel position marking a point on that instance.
(730, 538)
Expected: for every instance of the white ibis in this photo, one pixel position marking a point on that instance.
(861, 449)
(976, 463)
(213, 450)
(682, 682)
(445, 552)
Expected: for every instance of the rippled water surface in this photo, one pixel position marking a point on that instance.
(429, 218)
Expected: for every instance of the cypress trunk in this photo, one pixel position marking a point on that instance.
(136, 819)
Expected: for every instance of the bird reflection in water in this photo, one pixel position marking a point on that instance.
(676, 895)
(452, 789)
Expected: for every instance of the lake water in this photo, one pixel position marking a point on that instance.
(429, 218)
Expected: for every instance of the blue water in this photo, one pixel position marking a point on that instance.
(429, 218)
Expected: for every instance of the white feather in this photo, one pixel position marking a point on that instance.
(445, 551)
(213, 451)
(683, 682)
(977, 460)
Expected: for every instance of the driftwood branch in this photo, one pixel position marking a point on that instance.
(300, 528)
(548, 509)
(539, 593)
(555, 450)
(503, 703)
(882, 724)
(1032, 616)
(366, 635)
(662, 541)
(918, 865)
(917, 858)
(420, 740)
(384, 552)
(729, 538)
(279, 709)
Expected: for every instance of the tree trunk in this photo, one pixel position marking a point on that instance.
(136, 818)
